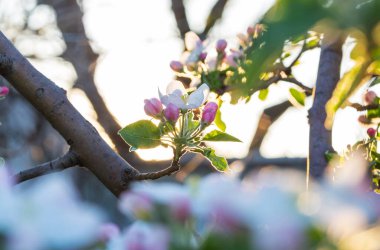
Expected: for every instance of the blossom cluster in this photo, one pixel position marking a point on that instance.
(182, 117)
(219, 66)
(271, 210)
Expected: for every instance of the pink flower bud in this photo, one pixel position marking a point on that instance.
(171, 112)
(153, 107)
(176, 66)
(209, 112)
(4, 91)
(371, 132)
(202, 56)
(221, 45)
(370, 97)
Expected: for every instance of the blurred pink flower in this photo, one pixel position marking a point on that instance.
(153, 107)
(171, 112)
(4, 91)
(209, 112)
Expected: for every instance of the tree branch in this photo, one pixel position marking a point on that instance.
(180, 17)
(328, 77)
(215, 14)
(51, 101)
(70, 159)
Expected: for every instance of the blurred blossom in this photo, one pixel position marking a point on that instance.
(176, 66)
(142, 236)
(4, 91)
(194, 47)
(136, 204)
(221, 45)
(108, 231)
(232, 57)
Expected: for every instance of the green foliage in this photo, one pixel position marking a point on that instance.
(219, 163)
(217, 135)
(142, 134)
(298, 96)
(263, 93)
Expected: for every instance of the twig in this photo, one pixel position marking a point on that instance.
(215, 14)
(70, 159)
(360, 107)
(293, 80)
(174, 167)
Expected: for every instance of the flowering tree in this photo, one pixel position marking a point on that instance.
(184, 118)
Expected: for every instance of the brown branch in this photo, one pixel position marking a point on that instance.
(328, 77)
(51, 101)
(293, 80)
(360, 107)
(174, 167)
(83, 58)
(180, 17)
(215, 14)
(70, 159)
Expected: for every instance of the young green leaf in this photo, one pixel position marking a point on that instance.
(263, 93)
(141, 134)
(219, 163)
(298, 96)
(217, 135)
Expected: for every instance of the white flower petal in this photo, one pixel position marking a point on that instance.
(176, 100)
(191, 40)
(198, 97)
(163, 98)
(175, 87)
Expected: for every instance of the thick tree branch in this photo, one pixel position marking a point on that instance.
(51, 101)
(180, 16)
(328, 77)
(70, 159)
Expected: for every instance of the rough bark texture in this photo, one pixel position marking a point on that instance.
(180, 16)
(328, 77)
(51, 101)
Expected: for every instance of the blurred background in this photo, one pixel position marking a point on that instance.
(112, 54)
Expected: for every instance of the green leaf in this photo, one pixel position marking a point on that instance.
(219, 163)
(263, 93)
(217, 135)
(191, 123)
(298, 96)
(141, 134)
(219, 122)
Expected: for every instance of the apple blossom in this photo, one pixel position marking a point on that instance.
(194, 48)
(202, 56)
(232, 56)
(153, 107)
(209, 112)
(108, 231)
(171, 112)
(177, 95)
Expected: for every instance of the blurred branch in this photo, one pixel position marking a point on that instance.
(83, 58)
(70, 159)
(215, 14)
(180, 16)
(328, 77)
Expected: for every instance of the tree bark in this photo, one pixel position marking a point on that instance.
(51, 101)
(328, 77)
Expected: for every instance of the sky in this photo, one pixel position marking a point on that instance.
(138, 39)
